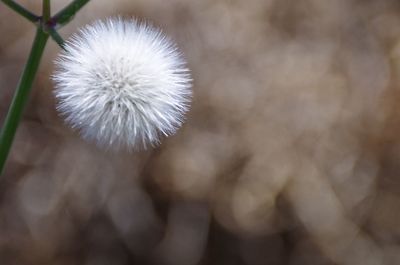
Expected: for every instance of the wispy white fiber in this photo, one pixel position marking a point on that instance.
(122, 83)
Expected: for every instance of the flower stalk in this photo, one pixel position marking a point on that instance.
(56, 37)
(67, 14)
(46, 26)
(21, 96)
(21, 10)
(46, 10)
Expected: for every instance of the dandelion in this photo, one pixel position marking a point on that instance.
(122, 84)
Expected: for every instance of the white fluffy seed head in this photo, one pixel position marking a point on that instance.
(122, 84)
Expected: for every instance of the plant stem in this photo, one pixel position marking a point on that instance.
(46, 25)
(56, 37)
(21, 96)
(22, 11)
(46, 10)
(66, 14)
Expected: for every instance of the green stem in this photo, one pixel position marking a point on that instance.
(46, 10)
(22, 11)
(48, 25)
(56, 37)
(66, 14)
(21, 96)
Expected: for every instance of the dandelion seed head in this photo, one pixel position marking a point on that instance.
(122, 84)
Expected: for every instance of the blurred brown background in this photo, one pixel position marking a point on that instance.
(290, 154)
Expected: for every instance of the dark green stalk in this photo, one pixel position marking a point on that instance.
(56, 37)
(46, 11)
(46, 25)
(21, 96)
(22, 11)
(66, 14)
(49, 24)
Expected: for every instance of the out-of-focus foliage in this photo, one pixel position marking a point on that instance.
(290, 154)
